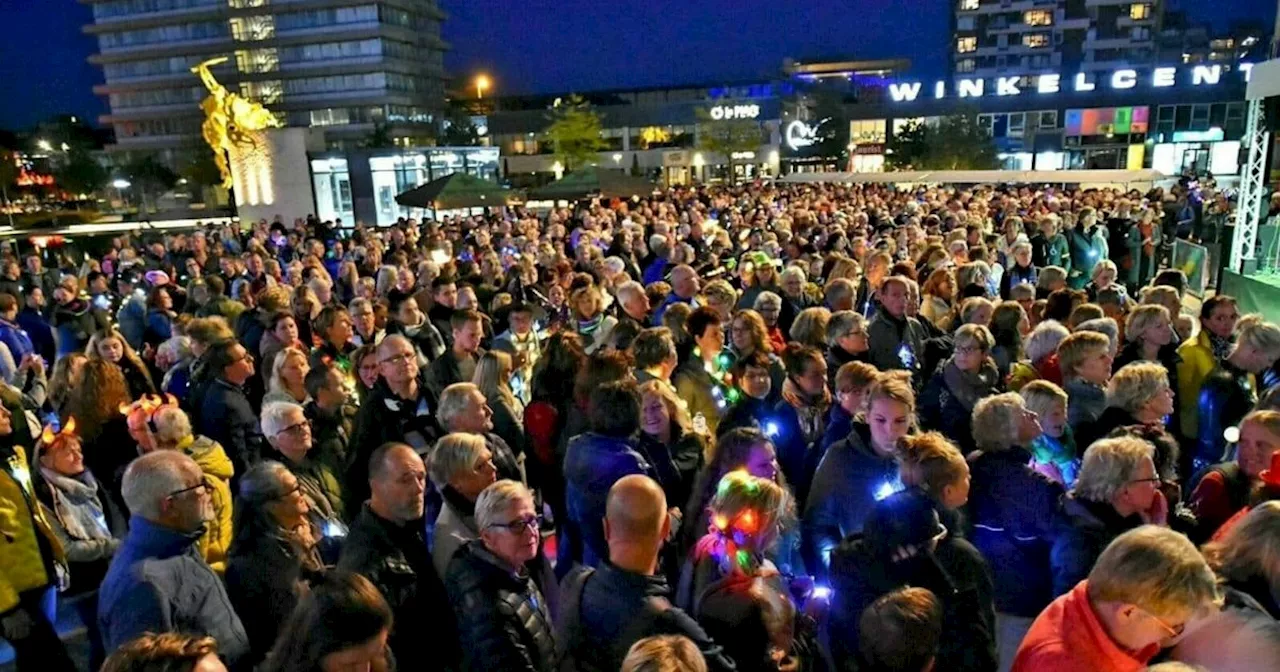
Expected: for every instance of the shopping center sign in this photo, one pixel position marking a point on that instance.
(1051, 83)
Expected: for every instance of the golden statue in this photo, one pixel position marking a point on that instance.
(229, 118)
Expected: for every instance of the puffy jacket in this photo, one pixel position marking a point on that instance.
(16, 338)
(701, 393)
(159, 583)
(592, 464)
(1195, 363)
(1011, 513)
(849, 480)
(604, 611)
(1225, 397)
(1084, 529)
(1088, 247)
(222, 306)
(896, 343)
(1085, 404)
(227, 418)
(395, 559)
(40, 332)
(502, 616)
(159, 328)
(30, 549)
(331, 435)
(75, 322)
(218, 471)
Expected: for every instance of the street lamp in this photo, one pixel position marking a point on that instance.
(482, 83)
(44, 145)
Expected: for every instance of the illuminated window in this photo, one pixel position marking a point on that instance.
(1139, 11)
(1038, 17)
(969, 5)
(258, 60)
(267, 92)
(966, 45)
(243, 4)
(966, 65)
(1035, 40)
(331, 116)
(252, 28)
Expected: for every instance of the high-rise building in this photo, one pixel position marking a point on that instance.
(346, 65)
(1028, 37)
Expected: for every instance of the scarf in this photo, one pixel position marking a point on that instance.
(809, 410)
(77, 505)
(968, 387)
(1221, 346)
(588, 327)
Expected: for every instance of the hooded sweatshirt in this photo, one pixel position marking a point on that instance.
(218, 471)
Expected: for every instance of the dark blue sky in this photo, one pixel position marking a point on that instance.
(558, 45)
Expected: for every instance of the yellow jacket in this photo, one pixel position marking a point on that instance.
(1196, 362)
(22, 565)
(218, 470)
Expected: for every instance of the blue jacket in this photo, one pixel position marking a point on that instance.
(1084, 529)
(839, 424)
(1011, 510)
(227, 417)
(1226, 396)
(592, 464)
(40, 332)
(158, 329)
(849, 480)
(16, 338)
(655, 271)
(132, 321)
(158, 582)
(666, 303)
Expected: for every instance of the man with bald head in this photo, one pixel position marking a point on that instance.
(685, 286)
(606, 610)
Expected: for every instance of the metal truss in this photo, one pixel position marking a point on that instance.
(1253, 185)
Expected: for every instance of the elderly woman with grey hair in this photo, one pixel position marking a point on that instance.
(503, 614)
(771, 307)
(273, 556)
(1116, 491)
(461, 467)
(949, 397)
(1011, 508)
(810, 327)
(846, 342)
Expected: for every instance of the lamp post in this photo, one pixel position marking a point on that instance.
(482, 83)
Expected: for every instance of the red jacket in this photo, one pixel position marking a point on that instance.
(1067, 637)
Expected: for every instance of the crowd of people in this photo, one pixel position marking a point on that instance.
(764, 427)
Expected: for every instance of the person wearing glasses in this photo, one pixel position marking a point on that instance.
(1118, 489)
(970, 375)
(1145, 587)
(158, 581)
(274, 556)
(387, 544)
(288, 431)
(503, 615)
(224, 413)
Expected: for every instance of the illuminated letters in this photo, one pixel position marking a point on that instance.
(1083, 83)
(1007, 86)
(904, 92)
(1163, 76)
(1049, 83)
(1124, 79)
(939, 89)
(1206, 74)
(729, 112)
(971, 88)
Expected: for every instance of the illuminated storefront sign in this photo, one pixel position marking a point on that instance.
(800, 134)
(1200, 75)
(729, 112)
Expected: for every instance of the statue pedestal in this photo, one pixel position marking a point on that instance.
(271, 175)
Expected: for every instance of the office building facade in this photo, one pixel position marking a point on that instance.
(344, 65)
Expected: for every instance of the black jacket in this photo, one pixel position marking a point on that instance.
(844, 490)
(606, 610)
(263, 580)
(395, 559)
(331, 435)
(443, 372)
(1011, 512)
(677, 464)
(1084, 529)
(386, 417)
(956, 573)
(502, 616)
(227, 417)
(897, 344)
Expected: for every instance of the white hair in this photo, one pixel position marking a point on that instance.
(767, 299)
(629, 289)
(275, 417)
(792, 272)
(453, 402)
(453, 455)
(493, 504)
(172, 425)
(1108, 465)
(151, 478)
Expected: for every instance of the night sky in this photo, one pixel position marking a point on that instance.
(560, 45)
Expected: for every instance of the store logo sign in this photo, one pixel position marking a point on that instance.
(1050, 83)
(730, 112)
(800, 134)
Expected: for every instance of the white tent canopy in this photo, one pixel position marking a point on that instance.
(1078, 177)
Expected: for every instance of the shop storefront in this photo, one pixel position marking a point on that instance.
(362, 185)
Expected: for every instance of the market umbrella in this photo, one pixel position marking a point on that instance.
(594, 181)
(458, 190)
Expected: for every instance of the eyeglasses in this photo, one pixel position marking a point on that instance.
(247, 357)
(1153, 479)
(1174, 631)
(198, 486)
(297, 488)
(303, 427)
(969, 349)
(397, 359)
(531, 524)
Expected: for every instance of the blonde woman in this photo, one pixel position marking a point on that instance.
(667, 437)
(493, 377)
(590, 320)
(287, 381)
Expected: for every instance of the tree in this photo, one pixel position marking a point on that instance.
(956, 142)
(8, 177)
(80, 173)
(459, 130)
(728, 137)
(149, 176)
(574, 133)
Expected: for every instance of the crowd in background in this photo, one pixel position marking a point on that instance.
(764, 427)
